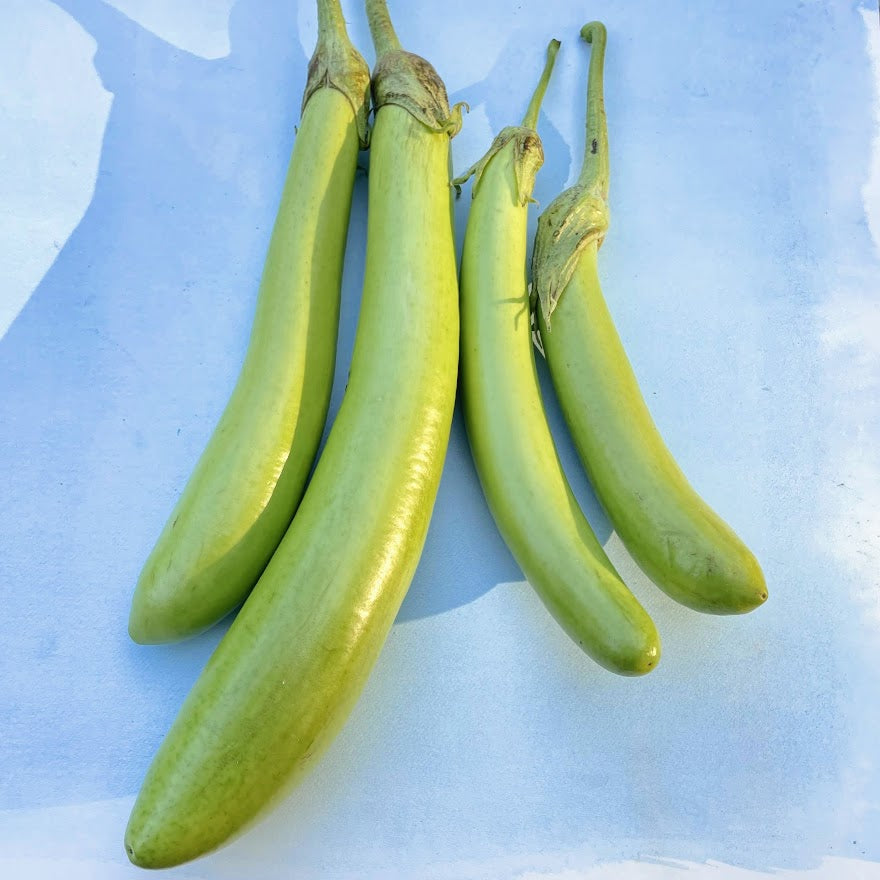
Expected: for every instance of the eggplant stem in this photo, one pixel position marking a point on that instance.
(595, 170)
(530, 120)
(330, 18)
(381, 29)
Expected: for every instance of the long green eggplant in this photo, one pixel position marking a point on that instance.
(512, 446)
(674, 536)
(251, 476)
(287, 673)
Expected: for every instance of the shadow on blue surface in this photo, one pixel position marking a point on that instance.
(114, 374)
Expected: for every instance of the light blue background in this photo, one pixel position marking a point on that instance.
(144, 160)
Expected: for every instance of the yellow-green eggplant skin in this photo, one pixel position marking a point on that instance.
(513, 449)
(286, 675)
(673, 535)
(251, 476)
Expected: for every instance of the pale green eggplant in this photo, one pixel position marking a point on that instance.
(251, 476)
(287, 673)
(674, 536)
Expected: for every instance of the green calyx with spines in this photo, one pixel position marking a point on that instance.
(528, 151)
(579, 215)
(336, 64)
(408, 80)
(528, 158)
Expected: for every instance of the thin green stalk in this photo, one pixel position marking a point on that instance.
(595, 170)
(330, 19)
(382, 30)
(530, 120)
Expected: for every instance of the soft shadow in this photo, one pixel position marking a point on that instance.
(113, 376)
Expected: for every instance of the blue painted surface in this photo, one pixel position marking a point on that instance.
(742, 275)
